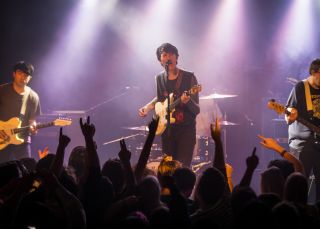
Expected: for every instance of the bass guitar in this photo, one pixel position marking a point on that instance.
(280, 109)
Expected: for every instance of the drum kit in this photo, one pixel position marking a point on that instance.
(209, 110)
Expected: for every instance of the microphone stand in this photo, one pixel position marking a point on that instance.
(104, 102)
(168, 99)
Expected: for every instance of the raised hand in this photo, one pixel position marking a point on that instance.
(88, 129)
(44, 152)
(252, 161)
(124, 154)
(153, 125)
(270, 143)
(63, 139)
(215, 131)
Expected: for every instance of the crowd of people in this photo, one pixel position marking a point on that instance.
(86, 193)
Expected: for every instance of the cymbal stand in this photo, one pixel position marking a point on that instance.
(93, 108)
(116, 140)
(224, 134)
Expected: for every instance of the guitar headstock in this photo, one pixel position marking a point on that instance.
(277, 107)
(195, 89)
(62, 122)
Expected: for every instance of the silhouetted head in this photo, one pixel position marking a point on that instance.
(296, 188)
(286, 167)
(211, 186)
(113, 169)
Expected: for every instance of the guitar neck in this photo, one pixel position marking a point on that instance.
(176, 102)
(308, 124)
(27, 128)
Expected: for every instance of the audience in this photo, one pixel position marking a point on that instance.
(46, 194)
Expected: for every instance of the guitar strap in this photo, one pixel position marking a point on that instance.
(178, 83)
(24, 102)
(308, 95)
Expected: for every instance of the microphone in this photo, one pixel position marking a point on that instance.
(168, 62)
(166, 66)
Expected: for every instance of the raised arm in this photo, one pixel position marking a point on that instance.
(57, 165)
(88, 131)
(271, 143)
(145, 153)
(218, 160)
(252, 163)
(125, 156)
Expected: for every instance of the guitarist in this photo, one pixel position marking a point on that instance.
(19, 100)
(179, 139)
(304, 103)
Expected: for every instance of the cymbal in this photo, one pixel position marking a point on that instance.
(140, 128)
(226, 123)
(217, 96)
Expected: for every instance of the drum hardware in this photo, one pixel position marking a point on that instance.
(155, 152)
(197, 167)
(118, 139)
(138, 128)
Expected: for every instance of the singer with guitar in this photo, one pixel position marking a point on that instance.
(20, 102)
(303, 117)
(182, 90)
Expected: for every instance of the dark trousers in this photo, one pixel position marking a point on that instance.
(179, 142)
(15, 152)
(309, 155)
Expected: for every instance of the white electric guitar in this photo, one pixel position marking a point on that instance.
(162, 107)
(13, 126)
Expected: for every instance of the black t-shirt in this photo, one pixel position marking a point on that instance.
(10, 106)
(297, 100)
